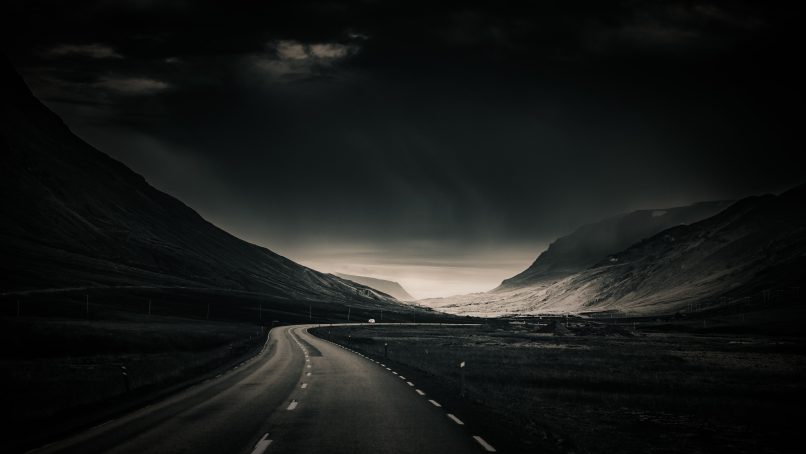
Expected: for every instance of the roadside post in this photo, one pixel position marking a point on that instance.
(462, 379)
(386, 350)
(125, 373)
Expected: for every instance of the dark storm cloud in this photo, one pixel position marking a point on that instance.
(424, 131)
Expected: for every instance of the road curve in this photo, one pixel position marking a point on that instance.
(301, 394)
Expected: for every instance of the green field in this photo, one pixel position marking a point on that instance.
(645, 393)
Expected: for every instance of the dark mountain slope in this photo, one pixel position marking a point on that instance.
(72, 216)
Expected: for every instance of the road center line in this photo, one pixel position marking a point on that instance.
(262, 445)
(487, 447)
(434, 403)
(410, 383)
(402, 377)
(420, 392)
(292, 405)
(455, 419)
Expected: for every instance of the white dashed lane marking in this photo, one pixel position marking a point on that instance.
(292, 405)
(455, 419)
(262, 444)
(487, 447)
(304, 385)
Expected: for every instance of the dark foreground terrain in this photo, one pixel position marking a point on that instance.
(298, 394)
(60, 375)
(608, 390)
(63, 353)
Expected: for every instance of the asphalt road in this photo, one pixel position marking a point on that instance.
(302, 394)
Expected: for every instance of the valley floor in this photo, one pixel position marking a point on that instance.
(656, 392)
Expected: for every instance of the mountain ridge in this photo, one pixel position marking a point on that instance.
(756, 245)
(74, 216)
(391, 288)
(592, 242)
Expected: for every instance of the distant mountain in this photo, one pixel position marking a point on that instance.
(753, 248)
(389, 287)
(594, 242)
(71, 216)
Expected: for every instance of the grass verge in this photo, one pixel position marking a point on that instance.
(59, 376)
(658, 393)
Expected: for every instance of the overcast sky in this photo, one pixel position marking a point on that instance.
(442, 146)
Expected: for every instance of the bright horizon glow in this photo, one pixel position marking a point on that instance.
(422, 282)
(423, 278)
